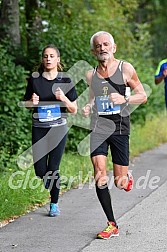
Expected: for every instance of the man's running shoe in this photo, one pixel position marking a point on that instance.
(110, 231)
(54, 210)
(130, 182)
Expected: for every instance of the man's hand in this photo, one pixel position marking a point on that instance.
(86, 110)
(117, 98)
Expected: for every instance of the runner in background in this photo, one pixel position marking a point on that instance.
(161, 75)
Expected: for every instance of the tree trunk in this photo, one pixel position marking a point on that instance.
(33, 29)
(10, 22)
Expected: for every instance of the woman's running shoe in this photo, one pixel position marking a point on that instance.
(54, 210)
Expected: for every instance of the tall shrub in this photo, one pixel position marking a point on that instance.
(14, 119)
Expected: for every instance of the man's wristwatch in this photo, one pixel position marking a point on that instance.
(126, 97)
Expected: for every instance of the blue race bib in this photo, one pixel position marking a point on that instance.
(106, 107)
(49, 113)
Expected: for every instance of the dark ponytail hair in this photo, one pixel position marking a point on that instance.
(59, 65)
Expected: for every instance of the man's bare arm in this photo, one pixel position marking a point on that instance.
(88, 107)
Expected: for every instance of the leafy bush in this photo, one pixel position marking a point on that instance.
(14, 119)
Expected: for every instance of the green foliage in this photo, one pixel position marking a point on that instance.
(14, 121)
(153, 12)
(75, 136)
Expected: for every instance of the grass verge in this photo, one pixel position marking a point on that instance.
(148, 136)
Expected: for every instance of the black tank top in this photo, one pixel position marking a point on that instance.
(107, 116)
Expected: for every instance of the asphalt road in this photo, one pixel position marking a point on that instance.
(141, 215)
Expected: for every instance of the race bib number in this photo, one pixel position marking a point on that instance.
(49, 113)
(106, 107)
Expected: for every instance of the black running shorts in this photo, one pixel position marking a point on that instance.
(119, 146)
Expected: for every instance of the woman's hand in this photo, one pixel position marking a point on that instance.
(35, 99)
(71, 106)
(59, 94)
